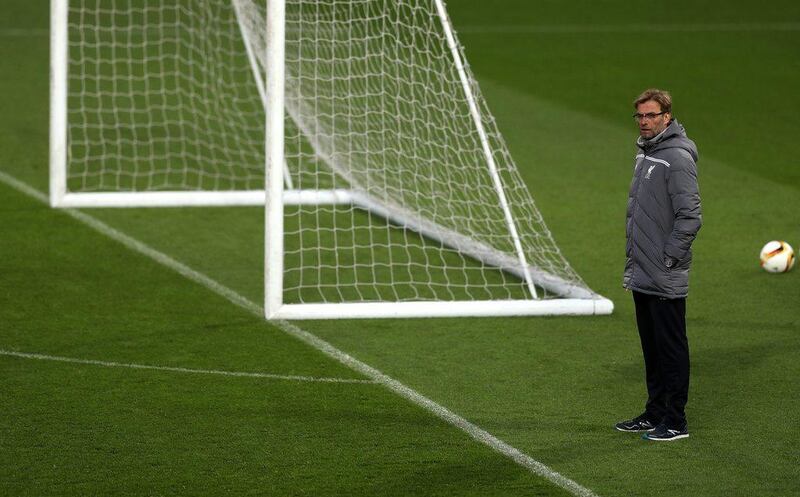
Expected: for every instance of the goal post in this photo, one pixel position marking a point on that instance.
(59, 53)
(275, 48)
(387, 188)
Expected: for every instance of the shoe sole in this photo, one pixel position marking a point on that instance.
(676, 437)
(633, 431)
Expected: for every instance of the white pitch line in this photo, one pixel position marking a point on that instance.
(108, 364)
(477, 433)
(138, 246)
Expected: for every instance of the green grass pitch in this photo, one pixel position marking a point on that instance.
(559, 78)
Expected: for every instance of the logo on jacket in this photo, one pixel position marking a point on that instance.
(649, 170)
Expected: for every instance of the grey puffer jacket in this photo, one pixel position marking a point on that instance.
(663, 214)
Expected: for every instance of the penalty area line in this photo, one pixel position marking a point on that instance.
(475, 432)
(109, 364)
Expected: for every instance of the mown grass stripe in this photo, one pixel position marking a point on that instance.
(475, 432)
(23, 32)
(768, 27)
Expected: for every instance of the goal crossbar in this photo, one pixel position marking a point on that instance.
(200, 198)
(475, 308)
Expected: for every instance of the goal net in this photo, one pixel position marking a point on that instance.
(391, 191)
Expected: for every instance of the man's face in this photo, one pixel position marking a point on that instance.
(650, 119)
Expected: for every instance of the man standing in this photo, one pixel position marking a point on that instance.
(663, 218)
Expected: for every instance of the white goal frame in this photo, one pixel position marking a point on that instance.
(577, 300)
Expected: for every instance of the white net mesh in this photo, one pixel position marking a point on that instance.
(166, 97)
(161, 97)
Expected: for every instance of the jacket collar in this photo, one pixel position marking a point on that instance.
(647, 144)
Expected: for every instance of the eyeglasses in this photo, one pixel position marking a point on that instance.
(648, 116)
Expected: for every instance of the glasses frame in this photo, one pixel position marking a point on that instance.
(649, 116)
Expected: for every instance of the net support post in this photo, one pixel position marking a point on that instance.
(59, 50)
(487, 152)
(273, 230)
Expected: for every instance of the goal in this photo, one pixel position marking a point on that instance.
(357, 124)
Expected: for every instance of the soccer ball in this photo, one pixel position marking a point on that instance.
(777, 257)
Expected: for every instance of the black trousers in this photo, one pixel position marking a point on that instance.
(662, 330)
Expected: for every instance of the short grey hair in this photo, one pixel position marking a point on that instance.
(661, 97)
